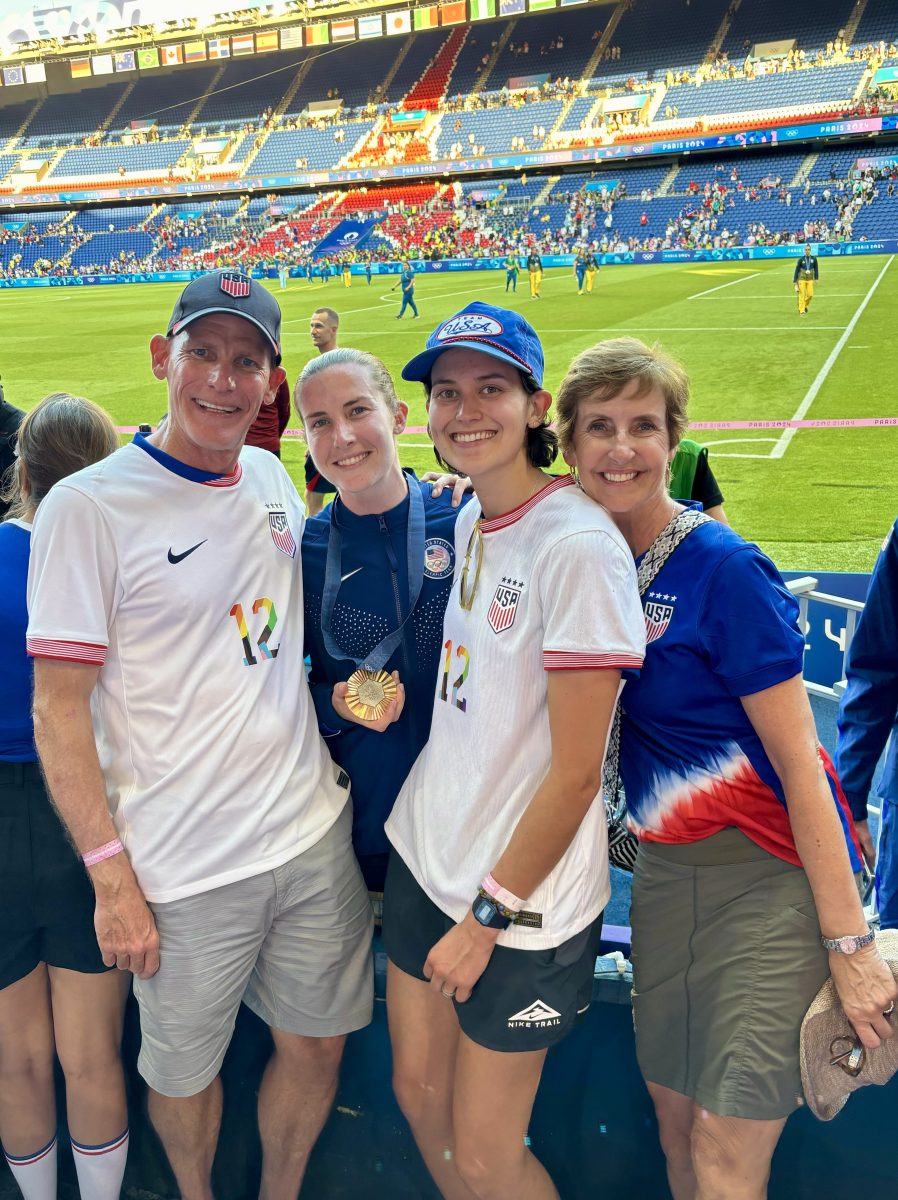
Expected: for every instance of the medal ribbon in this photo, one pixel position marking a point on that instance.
(376, 658)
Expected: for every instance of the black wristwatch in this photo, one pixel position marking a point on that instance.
(486, 912)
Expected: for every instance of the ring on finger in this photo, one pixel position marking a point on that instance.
(888, 1012)
(448, 995)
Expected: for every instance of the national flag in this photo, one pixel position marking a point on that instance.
(219, 48)
(35, 73)
(427, 17)
(266, 41)
(371, 26)
(536, 5)
(318, 35)
(194, 51)
(101, 64)
(242, 44)
(12, 76)
(291, 37)
(343, 31)
(80, 67)
(482, 10)
(124, 60)
(510, 8)
(399, 21)
(172, 55)
(454, 14)
(147, 59)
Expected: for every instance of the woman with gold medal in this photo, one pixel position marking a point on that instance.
(499, 875)
(377, 569)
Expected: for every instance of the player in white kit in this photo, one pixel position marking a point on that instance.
(499, 875)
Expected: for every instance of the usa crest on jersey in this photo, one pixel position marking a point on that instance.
(657, 619)
(502, 611)
(280, 532)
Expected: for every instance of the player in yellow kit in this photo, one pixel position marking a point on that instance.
(806, 275)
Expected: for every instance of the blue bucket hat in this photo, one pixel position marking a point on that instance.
(499, 332)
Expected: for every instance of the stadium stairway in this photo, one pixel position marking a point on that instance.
(195, 113)
(430, 90)
(605, 40)
(399, 60)
(501, 42)
(722, 30)
(106, 125)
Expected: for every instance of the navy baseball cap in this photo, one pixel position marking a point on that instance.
(499, 332)
(230, 291)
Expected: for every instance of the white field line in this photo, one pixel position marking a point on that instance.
(733, 441)
(393, 300)
(760, 296)
(788, 434)
(699, 329)
(738, 454)
(720, 286)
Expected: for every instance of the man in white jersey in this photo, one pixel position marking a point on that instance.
(179, 741)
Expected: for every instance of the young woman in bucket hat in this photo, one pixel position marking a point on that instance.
(499, 875)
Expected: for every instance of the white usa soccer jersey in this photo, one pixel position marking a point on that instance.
(557, 591)
(186, 591)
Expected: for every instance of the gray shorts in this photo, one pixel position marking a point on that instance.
(294, 944)
(726, 961)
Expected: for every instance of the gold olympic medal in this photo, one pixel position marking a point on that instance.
(369, 692)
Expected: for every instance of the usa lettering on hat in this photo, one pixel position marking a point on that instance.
(234, 284)
(469, 325)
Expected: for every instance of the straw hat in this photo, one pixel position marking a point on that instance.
(826, 1034)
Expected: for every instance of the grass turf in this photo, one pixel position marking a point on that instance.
(825, 504)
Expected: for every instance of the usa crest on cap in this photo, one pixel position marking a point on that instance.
(233, 283)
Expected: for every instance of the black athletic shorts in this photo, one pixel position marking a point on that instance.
(524, 1000)
(315, 481)
(46, 901)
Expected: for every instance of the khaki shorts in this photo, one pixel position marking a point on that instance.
(726, 961)
(293, 944)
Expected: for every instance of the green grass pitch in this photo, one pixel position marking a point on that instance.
(819, 499)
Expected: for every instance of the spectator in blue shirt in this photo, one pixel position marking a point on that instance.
(48, 946)
(869, 713)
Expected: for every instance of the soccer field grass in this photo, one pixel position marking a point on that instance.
(818, 499)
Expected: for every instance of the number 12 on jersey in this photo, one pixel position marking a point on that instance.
(462, 654)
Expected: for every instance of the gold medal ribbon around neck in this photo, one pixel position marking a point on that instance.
(468, 587)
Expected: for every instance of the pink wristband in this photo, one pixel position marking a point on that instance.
(97, 856)
(507, 899)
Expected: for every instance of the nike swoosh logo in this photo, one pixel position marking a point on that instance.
(176, 558)
(349, 574)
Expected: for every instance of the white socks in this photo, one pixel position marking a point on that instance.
(100, 1169)
(36, 1173)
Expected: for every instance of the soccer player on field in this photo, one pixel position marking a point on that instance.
(495, 890)
(535, 267)
(580, 269)
(592, 265)
(512, 266)
(806, 275)
(407, 282)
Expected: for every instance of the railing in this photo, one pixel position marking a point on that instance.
(805, 590)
